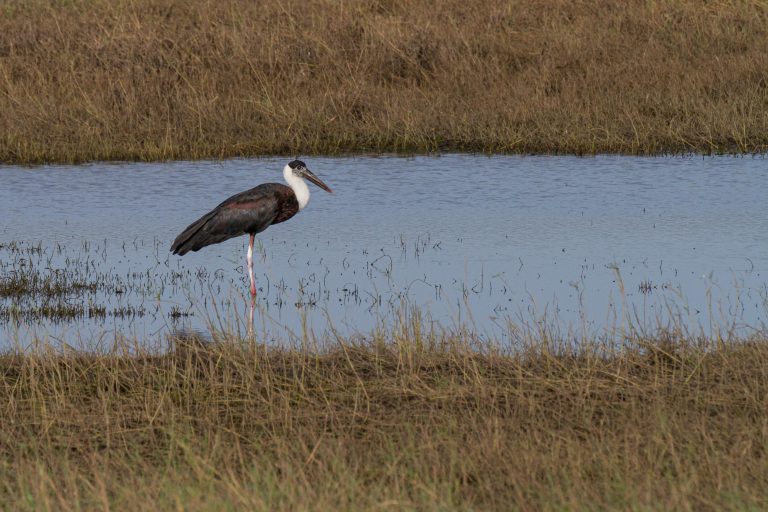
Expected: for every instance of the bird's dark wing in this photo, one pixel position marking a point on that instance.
(251, 211)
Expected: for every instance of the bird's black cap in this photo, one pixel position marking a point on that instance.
(296, 163)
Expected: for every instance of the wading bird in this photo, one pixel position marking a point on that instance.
(250, 212)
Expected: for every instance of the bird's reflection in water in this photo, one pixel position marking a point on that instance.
(250, 317)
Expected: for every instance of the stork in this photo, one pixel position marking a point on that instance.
(251, 212)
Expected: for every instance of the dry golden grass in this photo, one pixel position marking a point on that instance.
(151, 79)
(417, 422)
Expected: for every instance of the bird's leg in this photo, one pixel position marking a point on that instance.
(250, 265)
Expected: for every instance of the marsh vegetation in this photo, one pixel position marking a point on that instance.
(407, 419)
(97, 80)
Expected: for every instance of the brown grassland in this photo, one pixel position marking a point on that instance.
(157, 79)
(406, 421)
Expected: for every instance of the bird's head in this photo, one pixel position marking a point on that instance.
(299, 169)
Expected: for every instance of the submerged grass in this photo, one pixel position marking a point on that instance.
(149, 79)
(406, 420)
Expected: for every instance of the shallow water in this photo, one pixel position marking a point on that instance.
(489, 242)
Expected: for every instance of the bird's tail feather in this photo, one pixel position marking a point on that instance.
(194, 237)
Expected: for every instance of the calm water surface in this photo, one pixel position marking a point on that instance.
(491, 242)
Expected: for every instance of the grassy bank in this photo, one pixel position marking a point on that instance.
(148, 79)
(413, 422)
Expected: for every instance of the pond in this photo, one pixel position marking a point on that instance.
(487, 243)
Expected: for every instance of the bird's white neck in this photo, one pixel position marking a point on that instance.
(298, 185)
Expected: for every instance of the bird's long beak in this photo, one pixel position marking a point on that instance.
(317, 181)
